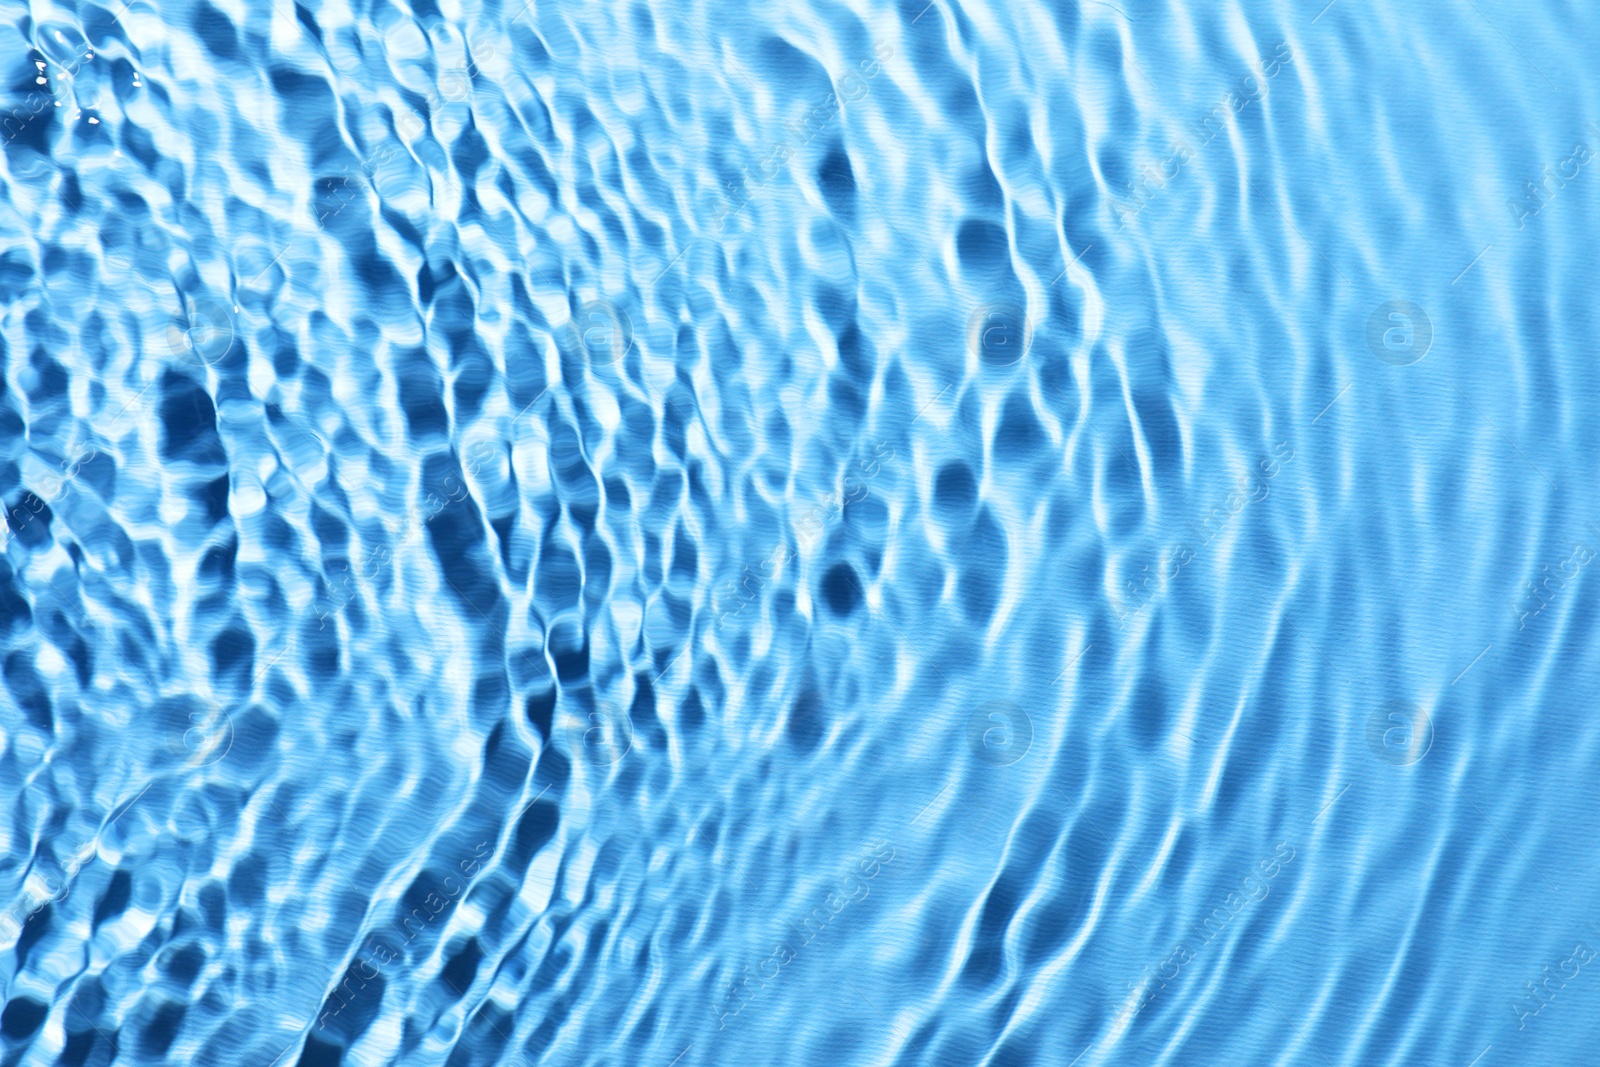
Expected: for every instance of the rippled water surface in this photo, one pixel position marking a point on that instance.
(990, 533)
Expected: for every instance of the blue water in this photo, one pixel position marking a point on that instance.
(1035, 533)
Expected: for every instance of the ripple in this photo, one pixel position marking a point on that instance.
(1015, 534)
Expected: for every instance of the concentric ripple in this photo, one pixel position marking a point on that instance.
(1036, 533)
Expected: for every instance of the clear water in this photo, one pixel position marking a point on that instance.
(1029, 533)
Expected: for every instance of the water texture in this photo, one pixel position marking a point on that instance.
(1034, 533)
